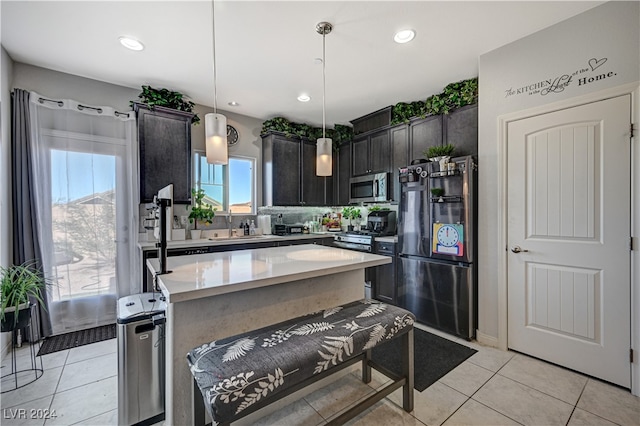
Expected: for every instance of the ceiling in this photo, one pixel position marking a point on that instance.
(266, 51)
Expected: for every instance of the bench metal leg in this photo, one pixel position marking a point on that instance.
(407, 370)
(197, 405)
(366, 368)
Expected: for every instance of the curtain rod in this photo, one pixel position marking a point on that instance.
(81, 107)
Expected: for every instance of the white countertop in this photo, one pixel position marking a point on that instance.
(205, 242)
(211, 274)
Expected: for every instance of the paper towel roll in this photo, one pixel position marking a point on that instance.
(264, 222)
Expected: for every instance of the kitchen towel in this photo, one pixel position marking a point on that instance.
(264, 223)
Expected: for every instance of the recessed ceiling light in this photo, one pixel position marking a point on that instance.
(404, 36)
(304, 98)
(131, 43)
(234, 103)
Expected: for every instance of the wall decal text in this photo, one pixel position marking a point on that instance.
(557, 84)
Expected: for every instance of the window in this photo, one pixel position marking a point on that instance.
(230, 187)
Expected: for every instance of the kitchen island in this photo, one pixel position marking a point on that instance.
(216, 295)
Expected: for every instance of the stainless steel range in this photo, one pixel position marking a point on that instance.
(354, 241)
(379, 223)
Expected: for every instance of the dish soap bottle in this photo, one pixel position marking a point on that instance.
(252, 228)
(246, 228)
(241, 229)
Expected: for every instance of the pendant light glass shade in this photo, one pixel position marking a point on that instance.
(215, 129)
(324, 157)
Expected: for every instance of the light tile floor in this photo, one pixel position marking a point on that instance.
(492, 387)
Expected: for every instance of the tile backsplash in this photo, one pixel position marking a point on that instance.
(290, 215)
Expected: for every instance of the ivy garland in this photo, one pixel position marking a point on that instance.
(338, 134)
(454, 96)
(168, 99)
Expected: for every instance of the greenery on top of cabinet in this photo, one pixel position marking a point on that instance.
(167, 98)
(339, 134)
(454, 96)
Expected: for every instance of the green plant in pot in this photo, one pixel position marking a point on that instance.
(200, 211)
(440, 153)
(18, 284)
(351, 213)
(153, 97)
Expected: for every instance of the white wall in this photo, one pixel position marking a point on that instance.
(569, 49)
(6, 243)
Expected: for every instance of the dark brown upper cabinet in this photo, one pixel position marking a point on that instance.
(424, 133)
(371, 153)
(289, 173)
(461, 130)
(164, 137)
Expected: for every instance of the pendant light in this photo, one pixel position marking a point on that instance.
(215, 125)
(324, 145)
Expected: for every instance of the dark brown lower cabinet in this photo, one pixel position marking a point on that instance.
(383, 278)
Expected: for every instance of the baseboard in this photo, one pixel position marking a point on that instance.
(485, 339)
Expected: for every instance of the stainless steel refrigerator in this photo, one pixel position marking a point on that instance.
(437, 244)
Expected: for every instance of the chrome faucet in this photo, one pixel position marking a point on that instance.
(230, 220)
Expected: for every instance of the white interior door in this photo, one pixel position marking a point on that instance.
(569, 203)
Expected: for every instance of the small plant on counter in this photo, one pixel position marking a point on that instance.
(351, 213)
(200, 211)
(168, 99)
(439, 151)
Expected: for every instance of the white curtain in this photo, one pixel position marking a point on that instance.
(85, 179)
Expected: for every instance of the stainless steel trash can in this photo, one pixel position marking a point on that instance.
(141, 359)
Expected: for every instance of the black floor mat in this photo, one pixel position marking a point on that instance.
(434, 357)
(77, 338)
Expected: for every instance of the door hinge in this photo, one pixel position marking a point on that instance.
(630, 243)
(631, 356)
(631, 129)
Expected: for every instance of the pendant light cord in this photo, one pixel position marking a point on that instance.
(324, 84)
(213, 26)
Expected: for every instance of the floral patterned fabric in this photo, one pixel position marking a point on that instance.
(236, 372)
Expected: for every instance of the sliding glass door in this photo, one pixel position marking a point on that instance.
(86, 177)
(85, 192)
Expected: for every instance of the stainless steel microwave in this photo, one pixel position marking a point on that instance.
(373, 188)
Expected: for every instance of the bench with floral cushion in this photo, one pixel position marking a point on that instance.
(235, 376)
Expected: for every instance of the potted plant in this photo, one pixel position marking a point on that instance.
(441, 154)
(153, 97)
(200, 211)
(438, 193)
(19, 283)
(351, 213)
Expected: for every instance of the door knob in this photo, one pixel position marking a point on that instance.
(517, 249)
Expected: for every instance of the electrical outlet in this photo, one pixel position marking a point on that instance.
(183, 220)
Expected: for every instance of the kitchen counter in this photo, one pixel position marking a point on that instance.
(211, 274)
(207, 242)
(216, 295)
